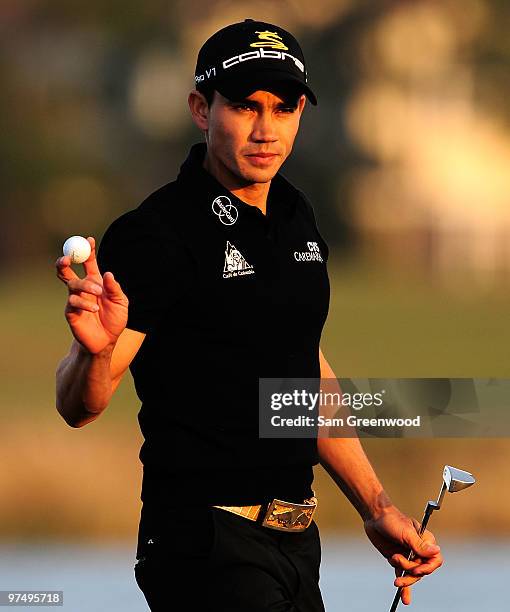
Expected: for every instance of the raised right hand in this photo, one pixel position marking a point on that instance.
(96, 307)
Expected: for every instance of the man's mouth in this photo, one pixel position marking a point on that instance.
(261, 159)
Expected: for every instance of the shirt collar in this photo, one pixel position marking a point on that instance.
(281, 199)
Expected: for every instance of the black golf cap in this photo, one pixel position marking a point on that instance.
(250, 55)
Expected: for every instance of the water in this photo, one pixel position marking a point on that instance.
(474, 575)
(354, 577)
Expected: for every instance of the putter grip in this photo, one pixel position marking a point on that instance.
(428, 511)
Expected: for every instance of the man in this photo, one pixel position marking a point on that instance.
(216, 280)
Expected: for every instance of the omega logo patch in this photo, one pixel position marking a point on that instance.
(222, 207)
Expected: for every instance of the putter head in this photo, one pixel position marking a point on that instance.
(457, 480)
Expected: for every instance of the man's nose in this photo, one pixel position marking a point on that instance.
(264, 128)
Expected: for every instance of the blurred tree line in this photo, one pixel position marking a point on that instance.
(94, 114)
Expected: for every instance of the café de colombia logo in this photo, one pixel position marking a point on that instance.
(223, 208)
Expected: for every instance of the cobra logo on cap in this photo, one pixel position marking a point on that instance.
(267, 39)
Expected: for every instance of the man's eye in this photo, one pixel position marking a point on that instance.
(242, 106)
(287, 109)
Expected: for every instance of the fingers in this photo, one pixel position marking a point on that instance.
(84, 285)
(429, 566)
(112, 288)
(64, 271)
(422, 546)
(83, 294)
(427, 559)
(416, 569)
(405, 595)
(78, 303)
(405, 589)
(88, 287)
(398, 561)
(430, 555)
(91, 267)
(404, 579)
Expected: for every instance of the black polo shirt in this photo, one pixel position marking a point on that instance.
(225, 295)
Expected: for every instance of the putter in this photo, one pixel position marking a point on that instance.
(453, 480)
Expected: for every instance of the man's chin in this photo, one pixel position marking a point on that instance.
(259, 175)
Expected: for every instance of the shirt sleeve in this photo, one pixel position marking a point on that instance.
(311, 213)
(154, 268)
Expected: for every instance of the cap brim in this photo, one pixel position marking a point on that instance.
(272, 80)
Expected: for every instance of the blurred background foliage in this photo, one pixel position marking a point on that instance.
(405, 158)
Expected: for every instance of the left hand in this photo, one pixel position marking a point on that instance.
(394, 534)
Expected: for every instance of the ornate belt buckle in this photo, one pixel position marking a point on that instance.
(287, 516)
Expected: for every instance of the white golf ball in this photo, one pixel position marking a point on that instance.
(77, 248)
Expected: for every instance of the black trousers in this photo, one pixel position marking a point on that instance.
(211, 560)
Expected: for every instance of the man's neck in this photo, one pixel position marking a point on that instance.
(254, 194)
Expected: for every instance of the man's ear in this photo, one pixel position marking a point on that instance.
(199, 109)
(301, 103)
